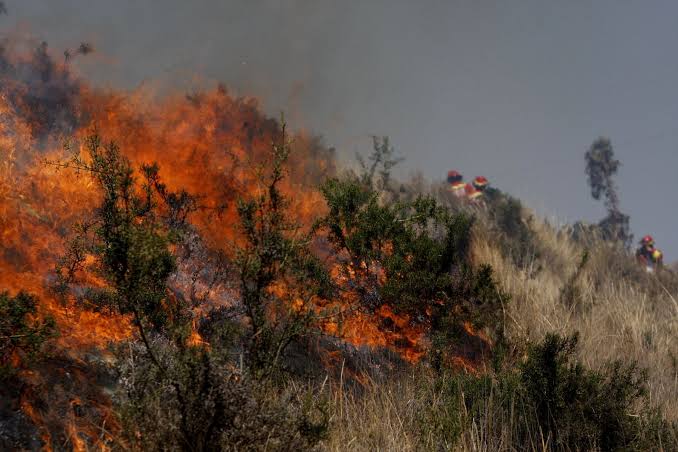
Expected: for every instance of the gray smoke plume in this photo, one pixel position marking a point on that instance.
(85, 48)
(40, 90)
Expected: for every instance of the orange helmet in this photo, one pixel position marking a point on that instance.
(480, 182)
(647, 241)
(454, 176)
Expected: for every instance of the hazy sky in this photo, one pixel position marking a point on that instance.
(513, 90)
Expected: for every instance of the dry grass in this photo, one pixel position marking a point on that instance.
(388, 417)
(617, 318)
(631, 318)
(380, 418)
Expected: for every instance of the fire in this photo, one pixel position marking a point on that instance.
(380, 328)
(207, 144)
(472, 352)
(383, 328)
(196, 340)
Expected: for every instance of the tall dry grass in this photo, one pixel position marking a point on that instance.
(623, 314)
(620, 314)
(387, 416)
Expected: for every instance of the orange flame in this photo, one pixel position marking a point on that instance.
(207, 145)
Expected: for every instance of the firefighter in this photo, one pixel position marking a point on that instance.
(480, 183)
(648, 255)
(658, 257)
(475, 191)
(456, 183)
(472, 193)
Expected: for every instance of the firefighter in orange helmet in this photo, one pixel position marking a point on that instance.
(648, 255)
(456, 183)
(480, 183)
(472, 193)
(476, 189)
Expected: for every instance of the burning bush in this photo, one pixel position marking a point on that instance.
(278, 275)
(176, 390)
(22, 334)
(126, 245)
(409, 256)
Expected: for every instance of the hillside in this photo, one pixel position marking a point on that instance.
(186, 274)
(618, 311)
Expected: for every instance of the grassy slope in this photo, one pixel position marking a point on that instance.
(630, 317)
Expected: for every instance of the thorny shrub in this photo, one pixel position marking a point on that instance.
(277, 274)
(197, 401)
(516, 240)
(550, 399)
(22, 332)
(410, 254)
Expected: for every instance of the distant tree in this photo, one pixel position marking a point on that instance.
(601, 167)
(3, 9)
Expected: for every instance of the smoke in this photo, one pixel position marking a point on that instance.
(39, 90)
(85, 48)
(209, 143)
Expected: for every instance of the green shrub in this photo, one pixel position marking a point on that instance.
(516, 240)
(552, 399)
(196, 401)
(22, 333)
(578, 408)
(275, 251)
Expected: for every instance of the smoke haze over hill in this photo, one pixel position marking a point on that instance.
(516, 93)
